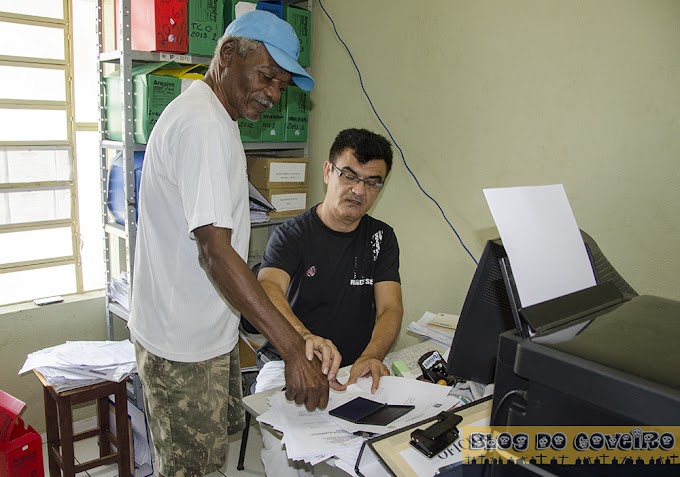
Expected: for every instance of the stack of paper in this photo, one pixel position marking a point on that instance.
(439, 327)
(259, 206)
(141, 440)
(76, 364)
(119, 290)
(316, 436)
(543, 241)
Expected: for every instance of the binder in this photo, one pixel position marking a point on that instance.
(382, 456)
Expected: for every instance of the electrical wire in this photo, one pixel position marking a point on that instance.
(519, 392)
(401, 152)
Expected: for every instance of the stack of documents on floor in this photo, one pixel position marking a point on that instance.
(75, 364)
(259, 206)
(140, 439)
(316, 436)
(119, 290)
(439, 327)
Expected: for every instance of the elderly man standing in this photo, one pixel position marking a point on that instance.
(191, 280)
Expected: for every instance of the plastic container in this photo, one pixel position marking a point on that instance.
(116, 196)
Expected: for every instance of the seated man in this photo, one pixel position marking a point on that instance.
(333, 272)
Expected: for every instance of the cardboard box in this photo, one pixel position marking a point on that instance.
(158, 25)
(301, 20)
(266, 172)
(297, 114)
(250, 131)
(247, 356)
(20, 447)
(151, 93)
(206, 25)
(288, 202)
(273, 121)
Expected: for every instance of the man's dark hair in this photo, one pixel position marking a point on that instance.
(366, 146)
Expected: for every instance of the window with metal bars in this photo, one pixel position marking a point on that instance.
(50, 212)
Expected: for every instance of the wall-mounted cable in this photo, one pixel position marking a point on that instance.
(401, 152)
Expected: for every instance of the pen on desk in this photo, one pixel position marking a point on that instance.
(94, 371)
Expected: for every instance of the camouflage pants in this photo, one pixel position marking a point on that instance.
(191, 407)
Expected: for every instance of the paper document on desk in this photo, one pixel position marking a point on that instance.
(429, 400)
(316, 436)
(542, 240)
(81, 363)
(412, 354)
(309, 435)
(439, 327)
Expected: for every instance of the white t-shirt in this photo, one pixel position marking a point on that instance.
(194, 174)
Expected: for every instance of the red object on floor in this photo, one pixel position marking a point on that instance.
(20, 446)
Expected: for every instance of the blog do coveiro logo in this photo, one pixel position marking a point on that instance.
(571, 445)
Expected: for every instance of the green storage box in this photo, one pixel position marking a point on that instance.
(297, 114)
(151, 93)
(206, 26)
(273, 122)
(250, 131)
(301, 20)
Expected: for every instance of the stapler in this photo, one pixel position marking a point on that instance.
(438, 436)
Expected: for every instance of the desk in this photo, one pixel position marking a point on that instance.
(387, 451)
(256, 404)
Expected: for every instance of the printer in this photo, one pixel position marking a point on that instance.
(621, 368)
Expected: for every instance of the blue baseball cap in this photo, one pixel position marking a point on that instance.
(278, 37)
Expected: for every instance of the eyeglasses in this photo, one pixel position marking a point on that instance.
(350, 179)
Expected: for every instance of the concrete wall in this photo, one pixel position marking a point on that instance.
(492, 94)
(28, 328)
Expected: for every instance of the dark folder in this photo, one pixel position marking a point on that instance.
(365, 411)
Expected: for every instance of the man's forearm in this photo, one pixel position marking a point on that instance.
(385, 332)
(278, 298)
(237, 284)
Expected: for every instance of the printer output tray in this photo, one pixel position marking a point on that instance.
(626, 361)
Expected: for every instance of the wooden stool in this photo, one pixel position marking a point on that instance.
(60, 436)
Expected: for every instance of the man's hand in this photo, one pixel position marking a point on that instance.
(305, 383)
(364, 366)
(326, 351)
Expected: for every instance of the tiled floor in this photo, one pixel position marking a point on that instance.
(88, 449)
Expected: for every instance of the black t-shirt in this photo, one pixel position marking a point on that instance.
(332, 276)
